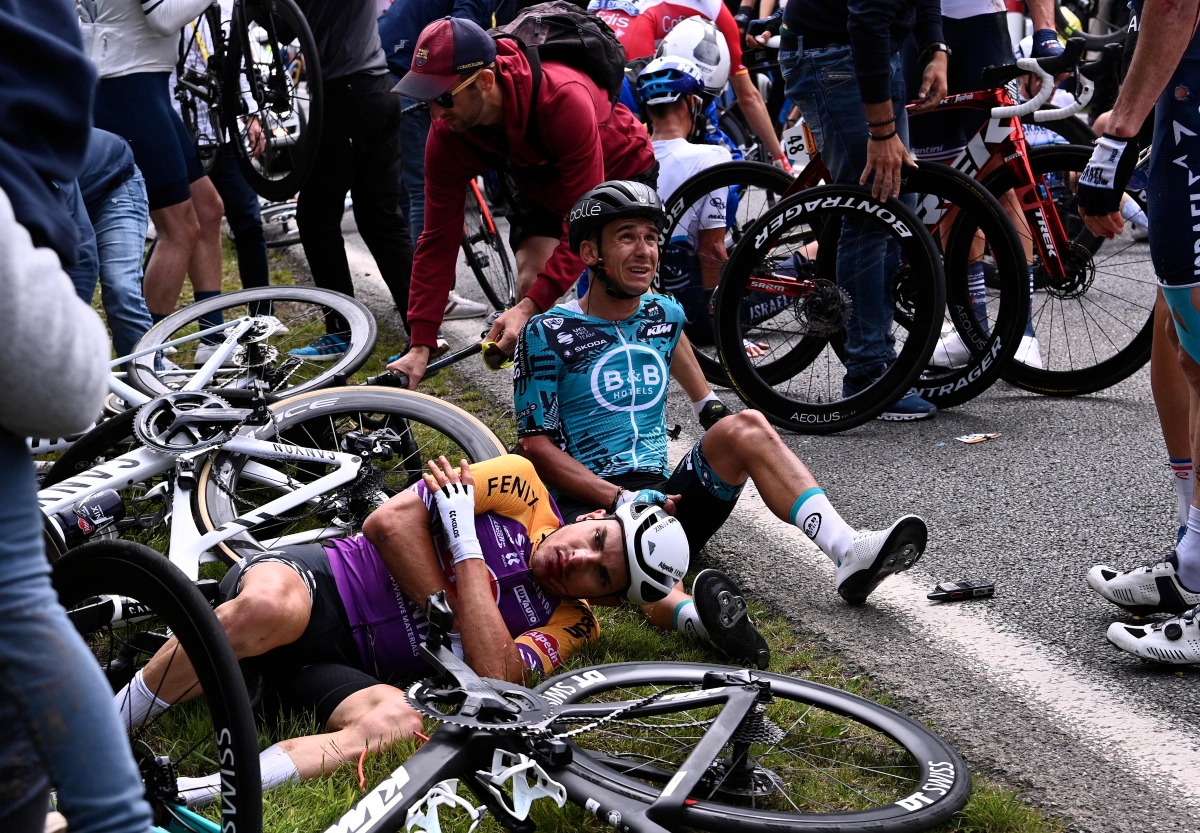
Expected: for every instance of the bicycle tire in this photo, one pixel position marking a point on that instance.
(483, 247)
(277, 97)
(106, 440)
(124, 568)
(306, 325)
(921, 780)
(1122, 305)
(990, 347)
(768, 179)
(427, 426)
(733, 124)
(817, 403)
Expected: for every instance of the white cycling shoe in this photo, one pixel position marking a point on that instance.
(1175, 641)
(878, 554)
(1153, 588)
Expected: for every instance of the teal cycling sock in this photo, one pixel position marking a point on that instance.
(686, 620)
(817, 519)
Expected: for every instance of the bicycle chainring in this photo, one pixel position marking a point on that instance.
(442, 704)
(162, 423)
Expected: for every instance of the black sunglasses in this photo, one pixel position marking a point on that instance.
(446, 100)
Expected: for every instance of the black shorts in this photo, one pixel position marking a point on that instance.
(702, 509)
(138, 108)
(527, 218)
(322, 668)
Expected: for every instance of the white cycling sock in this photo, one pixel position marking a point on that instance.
(137, 704)
(1133, 212)
(1182, 477)
(277, 769)
(817, 518)
(688, 621)
(1188, 553)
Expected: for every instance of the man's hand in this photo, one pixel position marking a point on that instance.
(714, 410)
(933, 84)
(1046, 44)
(1103, 182)
(507, 327)
(886, 159)
(412, 364)
(257, 138)
(454, 496)
(667, 502)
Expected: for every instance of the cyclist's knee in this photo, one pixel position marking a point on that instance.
(743, 428)
(208, 204)
(177, 224)
(271, 610)
(400, 512)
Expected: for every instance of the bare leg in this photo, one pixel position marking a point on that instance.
(1172, 396)
(204, 266)
(178, 230)
(531, 257)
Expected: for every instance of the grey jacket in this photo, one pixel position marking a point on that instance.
(54, 350)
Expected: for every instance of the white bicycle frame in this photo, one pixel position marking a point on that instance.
(189, 547)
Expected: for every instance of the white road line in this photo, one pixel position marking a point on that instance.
(1109, 722)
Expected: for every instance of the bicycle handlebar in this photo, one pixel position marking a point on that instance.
(390, 379)
(1046, 69)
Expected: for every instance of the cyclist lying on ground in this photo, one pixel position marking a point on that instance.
(332, 623)
(590, 383)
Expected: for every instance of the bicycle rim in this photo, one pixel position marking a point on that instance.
(483, 248)
(740, 190)
(409, 429)
(982, 326)
(215, 726)
(302, 310)
(815, 758)
(783, 287)
(273, 80)
(1095, 326)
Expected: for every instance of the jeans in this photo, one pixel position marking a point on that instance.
(823, 82)
(359, 153)
(120, 220)
(414, 130)
(245, 221)
(50, 676)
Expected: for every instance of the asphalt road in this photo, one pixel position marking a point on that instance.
(1024, 683)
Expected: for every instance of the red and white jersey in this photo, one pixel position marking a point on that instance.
(641, 33)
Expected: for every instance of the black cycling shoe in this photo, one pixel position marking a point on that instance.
(723, 612)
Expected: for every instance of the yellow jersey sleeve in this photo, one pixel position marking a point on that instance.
(509, 486)
(547, 647)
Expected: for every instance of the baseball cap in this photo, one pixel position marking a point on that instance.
(447, 49)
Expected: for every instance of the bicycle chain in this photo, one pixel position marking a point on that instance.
(608, 718)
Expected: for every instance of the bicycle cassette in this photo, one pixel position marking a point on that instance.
(186, 421)
(530, 709)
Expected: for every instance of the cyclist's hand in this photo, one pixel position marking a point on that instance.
(641, 496)
(412, 364)
(258, 139)
(508, 326)
(454, 497)
(784, 164)
(885, 163)
(713, 411)
(1103, 182)
(1046, 44)
(758, 32)
(933, 85)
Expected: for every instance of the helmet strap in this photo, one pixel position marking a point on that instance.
(600, 270)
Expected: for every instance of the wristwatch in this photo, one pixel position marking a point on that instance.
(927, 52)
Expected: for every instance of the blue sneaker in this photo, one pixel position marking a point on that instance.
(909, 408)
(327, 348)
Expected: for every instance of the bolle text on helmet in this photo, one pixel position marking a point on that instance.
(588, 209)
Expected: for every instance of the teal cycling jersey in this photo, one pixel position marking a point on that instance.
(597, 387)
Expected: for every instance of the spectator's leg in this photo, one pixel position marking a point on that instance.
(120, 223)
(49, 673)
(178, 229)
(414, 131)
(244, 214)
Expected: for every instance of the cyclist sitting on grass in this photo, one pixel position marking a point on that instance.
(331, 624)
(590, 384)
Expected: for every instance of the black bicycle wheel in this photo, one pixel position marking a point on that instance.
(273, 83)
(306, 314)
(733, 124)
(744, 191)
(812, 758)
(198, 78)
(1093, 328)
(483, 247)
(107, 439)
(783, 286)
(394, 431)
(1074, 131)
(216, 725)
(983, 324)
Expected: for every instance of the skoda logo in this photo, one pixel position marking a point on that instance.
(630, 379)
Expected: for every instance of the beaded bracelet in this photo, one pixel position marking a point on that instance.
(881, 123)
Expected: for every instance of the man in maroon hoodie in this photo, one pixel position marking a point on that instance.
(480, 93)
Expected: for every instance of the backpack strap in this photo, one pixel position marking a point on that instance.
(533, 134)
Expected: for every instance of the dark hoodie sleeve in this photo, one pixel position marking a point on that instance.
(869, 24)
(928, 26)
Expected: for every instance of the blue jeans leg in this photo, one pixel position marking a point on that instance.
(244, 214)
(51, 676)
(120, 222)
(414, 130)
(823, 83)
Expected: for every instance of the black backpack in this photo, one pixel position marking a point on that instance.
(562, 32)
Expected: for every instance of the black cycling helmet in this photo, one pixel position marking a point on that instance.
(612, 200)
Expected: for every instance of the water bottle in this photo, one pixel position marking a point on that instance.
(91, 517)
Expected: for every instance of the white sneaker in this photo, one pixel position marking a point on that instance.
(278, 328)
(1138, 232)
(1029, 352)
(1154, 588)
(205, 351)
(950, 351)
(1175, 641)
(459, 307)
(878, 554)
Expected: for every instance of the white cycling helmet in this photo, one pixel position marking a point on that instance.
(701, 42)
(656, 550)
